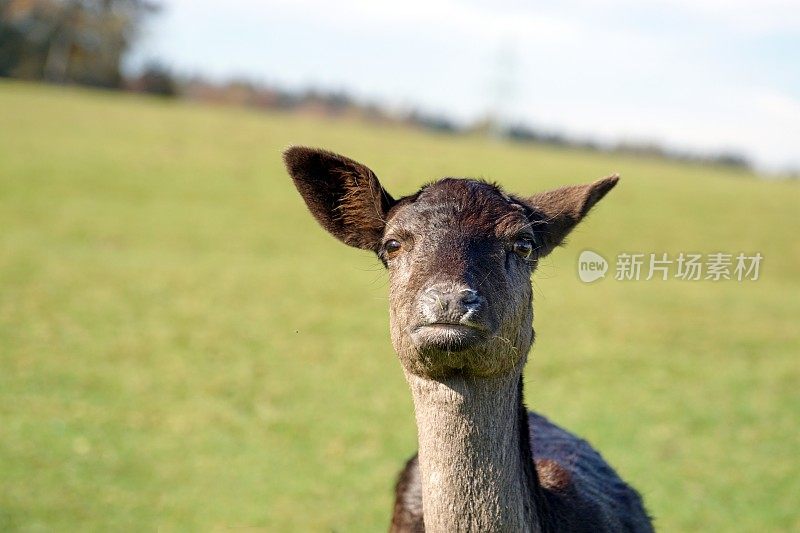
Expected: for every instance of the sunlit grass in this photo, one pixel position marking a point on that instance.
(182, 347)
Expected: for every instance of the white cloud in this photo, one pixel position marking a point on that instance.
(758, 122)
(465, 19)
(743, 15)
(747, 15)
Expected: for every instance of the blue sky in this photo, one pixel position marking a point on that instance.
(704, 75)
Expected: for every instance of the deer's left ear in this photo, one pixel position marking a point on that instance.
(344, 196)
(556, 212)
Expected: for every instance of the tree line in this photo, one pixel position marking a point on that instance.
(69, 41)
(84, 42)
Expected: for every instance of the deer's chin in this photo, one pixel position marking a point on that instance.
(447, 337)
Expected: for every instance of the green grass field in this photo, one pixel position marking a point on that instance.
(182, 347)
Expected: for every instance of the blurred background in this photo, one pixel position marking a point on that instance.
(181, 347)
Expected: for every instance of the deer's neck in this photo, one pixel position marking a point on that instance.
(474, 460)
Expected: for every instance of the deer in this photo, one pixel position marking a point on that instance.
(460, 254)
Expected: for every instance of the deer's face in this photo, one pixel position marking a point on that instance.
(460, 254)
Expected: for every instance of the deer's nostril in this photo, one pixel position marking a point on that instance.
(438, 299)
(469, 297)
(449, 304)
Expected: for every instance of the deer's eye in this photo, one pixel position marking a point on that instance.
(523, 247)
(392, 247)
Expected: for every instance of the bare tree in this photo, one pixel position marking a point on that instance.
(69, 41)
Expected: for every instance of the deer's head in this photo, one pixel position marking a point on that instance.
(460, 254)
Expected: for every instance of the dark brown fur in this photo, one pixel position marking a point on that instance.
(598, 500)
(350, 206)
(461, 235)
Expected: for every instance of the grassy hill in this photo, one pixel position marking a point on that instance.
(182, 347)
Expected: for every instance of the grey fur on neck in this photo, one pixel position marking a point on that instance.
(471, 464)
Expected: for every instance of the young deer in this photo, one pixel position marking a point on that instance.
(460, 254)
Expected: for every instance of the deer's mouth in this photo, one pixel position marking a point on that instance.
(447, 336)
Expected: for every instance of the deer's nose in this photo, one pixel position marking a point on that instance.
(449, 303)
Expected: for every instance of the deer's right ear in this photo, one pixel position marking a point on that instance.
(344, 196)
